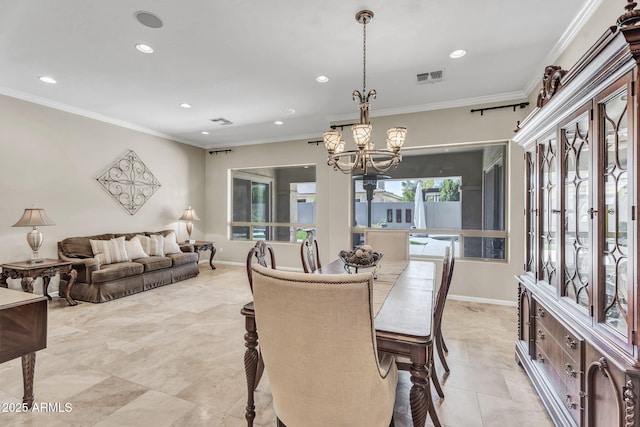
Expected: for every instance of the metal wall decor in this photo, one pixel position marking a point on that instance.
(130, 182)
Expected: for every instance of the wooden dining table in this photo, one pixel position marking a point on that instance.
(403, 300)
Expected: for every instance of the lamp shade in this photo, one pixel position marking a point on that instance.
(361, 135)
(332, 140)
(189, 215)
(395, 138)
(33, 217)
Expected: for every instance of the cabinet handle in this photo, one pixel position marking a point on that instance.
(556, 211)
(570, 404)
(540, 334)
(540, 358)
(569, 371)
(540, 312)
(569, 342)
(592, 212)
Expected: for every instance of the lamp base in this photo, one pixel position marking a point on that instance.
(190, 241)
(36, 261)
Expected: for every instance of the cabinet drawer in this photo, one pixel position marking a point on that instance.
(567, 339)
(573, 403)
(572, 375)
(545, 363)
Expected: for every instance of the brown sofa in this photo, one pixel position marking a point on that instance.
(99, 283)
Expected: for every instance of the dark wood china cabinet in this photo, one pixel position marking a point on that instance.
(578, 297)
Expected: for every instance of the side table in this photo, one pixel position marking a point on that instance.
(28, 272)
(200, 245)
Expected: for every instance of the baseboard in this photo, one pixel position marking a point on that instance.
(483, 300)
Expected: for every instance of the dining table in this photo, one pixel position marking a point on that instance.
(403, 301)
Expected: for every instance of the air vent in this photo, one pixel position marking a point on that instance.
(222, 121)
(430, 77)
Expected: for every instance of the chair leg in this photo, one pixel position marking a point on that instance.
(440, 352)
(436, 382)
(444, 344)
(259, 370)
(392, 423)
(279, 423)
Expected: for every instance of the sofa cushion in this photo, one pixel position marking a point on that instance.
(111, 272)
(153, 263)
(134, 248)
(109, 251)
(183, 258)
(170, 244)
(152, 245)
(80, 247)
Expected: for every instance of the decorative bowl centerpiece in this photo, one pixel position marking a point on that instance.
(360, 257)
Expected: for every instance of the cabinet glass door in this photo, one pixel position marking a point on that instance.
(576, 218)
(614, 210)
(531, 213)
(549, 199)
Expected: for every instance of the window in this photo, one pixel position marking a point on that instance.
(457, 192)
(273, 203)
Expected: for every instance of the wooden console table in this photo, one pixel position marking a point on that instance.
(23, 331)
(29, 272)
(200, 245)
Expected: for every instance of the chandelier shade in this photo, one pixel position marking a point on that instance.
(366, 159)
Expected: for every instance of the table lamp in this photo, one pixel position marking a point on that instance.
(34, 217)
(189, 215)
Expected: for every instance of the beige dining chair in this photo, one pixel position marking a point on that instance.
(309, 253)
(319, 348)
(393, 244)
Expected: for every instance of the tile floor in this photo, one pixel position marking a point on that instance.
(173, 356)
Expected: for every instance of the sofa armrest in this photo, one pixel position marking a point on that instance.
(84, 266)
(186, 247)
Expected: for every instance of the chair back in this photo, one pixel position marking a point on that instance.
(452, 260)
(318, 343)
(258, 254)
(393, 244)
(309, 253)
(441, 297)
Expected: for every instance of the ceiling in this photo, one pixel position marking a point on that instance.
(249, 61)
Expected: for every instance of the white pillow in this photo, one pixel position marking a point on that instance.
(134, 248)
(170, 244)
(152, 245)
(109, 251)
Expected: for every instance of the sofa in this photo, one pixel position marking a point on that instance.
(111, 266)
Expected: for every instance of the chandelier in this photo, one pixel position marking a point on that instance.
(366, 160)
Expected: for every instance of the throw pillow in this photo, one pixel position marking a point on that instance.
(134, 248)
(152, 245)
(170, 245)
(109, 251)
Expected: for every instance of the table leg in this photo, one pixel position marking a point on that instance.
(420, 396)
(250, 367)
(45, 286)
(71, 279)
(213, 252)
(27, 284)
(28, 368)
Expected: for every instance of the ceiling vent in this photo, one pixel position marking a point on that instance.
(222, 121)
(430, 77)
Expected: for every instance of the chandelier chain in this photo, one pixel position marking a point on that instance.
(364, 58)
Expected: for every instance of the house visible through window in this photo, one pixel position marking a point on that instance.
(273, 203)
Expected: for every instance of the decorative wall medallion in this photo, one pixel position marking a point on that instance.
(129, 182)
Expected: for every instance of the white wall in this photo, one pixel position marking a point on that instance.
(52, 159)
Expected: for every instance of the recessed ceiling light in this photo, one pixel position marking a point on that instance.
(288, 111)
(457, 53)
(278, 122)
(144, 48)
(185, 105)
(47, 79)
(322, 79)
(204, 132)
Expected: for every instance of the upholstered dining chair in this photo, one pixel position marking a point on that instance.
(318, 342)
(447, 275)
(258, 254)
(309, 253)
(393, 244)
